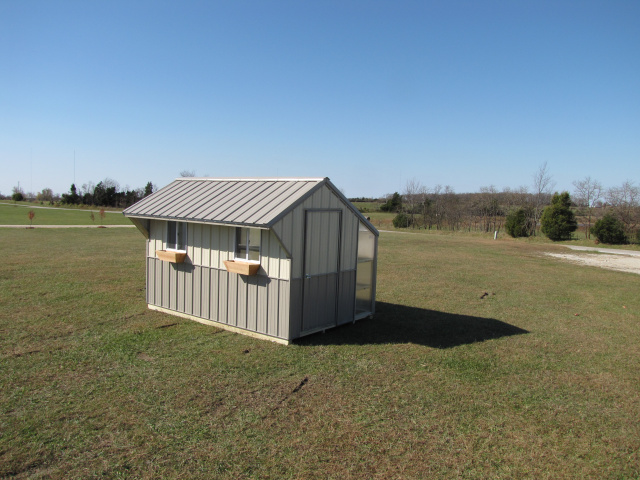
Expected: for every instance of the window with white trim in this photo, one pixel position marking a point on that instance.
(247, 244)
(177, 236)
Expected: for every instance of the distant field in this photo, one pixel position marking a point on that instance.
(485, 359)
(367, 206)
(11, 214)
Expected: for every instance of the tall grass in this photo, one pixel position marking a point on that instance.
(536, 379)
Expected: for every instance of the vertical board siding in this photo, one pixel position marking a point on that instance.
(255, 303)
(232, 304)
(205, 289)
(215, 246)
(158, 283)
(151, 275)
(180, 290)
(213, 294)
(272, 290)
(262, 304)
(347, 297)
(187, 286)
(196, 230)
(283, 319)
(205, 258)
(156, 237)
(295, 308)
(252, 301)
(197, 292)
(241, 304)
(223, 297)
(166, 285)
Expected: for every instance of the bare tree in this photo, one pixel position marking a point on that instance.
(625, 202)
(488, 207)
(88, 187)
(587, 192)
(188, 173)
(110, 182)
(413, 197)
(435, 207)
(46, 195)
(543, 185)
(451, 207)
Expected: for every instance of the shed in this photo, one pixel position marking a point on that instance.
(276, 258)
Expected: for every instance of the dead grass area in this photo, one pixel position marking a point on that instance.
(536, 379)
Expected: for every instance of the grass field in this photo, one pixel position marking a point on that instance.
(16, 214)
(537, 379)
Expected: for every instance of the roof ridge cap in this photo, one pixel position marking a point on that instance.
(254, 179)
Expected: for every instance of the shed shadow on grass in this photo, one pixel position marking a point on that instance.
(402, 324)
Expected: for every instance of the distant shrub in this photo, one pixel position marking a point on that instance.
(516, 223)
(558, 221)
(401, 220)
(17, 197)
(609, 230)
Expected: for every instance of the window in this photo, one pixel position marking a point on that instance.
(247, 244)
(177, 236)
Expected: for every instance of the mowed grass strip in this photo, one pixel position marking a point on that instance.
(17, 214)
(536, 379)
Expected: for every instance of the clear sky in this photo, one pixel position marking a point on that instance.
(369, 93)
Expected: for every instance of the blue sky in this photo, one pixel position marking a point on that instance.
(368, 93)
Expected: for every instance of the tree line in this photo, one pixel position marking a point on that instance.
(107, 193)
(441, 208)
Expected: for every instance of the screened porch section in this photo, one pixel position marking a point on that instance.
(365, 271)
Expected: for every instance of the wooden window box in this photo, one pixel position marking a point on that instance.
(242, 268)
(169, 256)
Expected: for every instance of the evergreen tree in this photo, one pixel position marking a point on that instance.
(609, 230)
(558, 221)
(401, 220)
(72, 197)
(394, 204)
(516, 223)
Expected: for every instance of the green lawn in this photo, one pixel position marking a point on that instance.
(537, 379)
(17, 214)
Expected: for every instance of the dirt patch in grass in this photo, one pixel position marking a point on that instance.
(619, 263)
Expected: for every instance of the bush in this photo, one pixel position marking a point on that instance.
(558, 221)
(609, 230)
(394, 204)
(17, 197)
(516, 223)
(401, 221)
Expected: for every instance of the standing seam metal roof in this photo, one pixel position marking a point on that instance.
(249, 201)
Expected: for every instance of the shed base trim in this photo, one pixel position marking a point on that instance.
(248, 333)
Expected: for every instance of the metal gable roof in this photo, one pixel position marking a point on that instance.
(235, 201)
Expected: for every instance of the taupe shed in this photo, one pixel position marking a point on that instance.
(277, 258)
